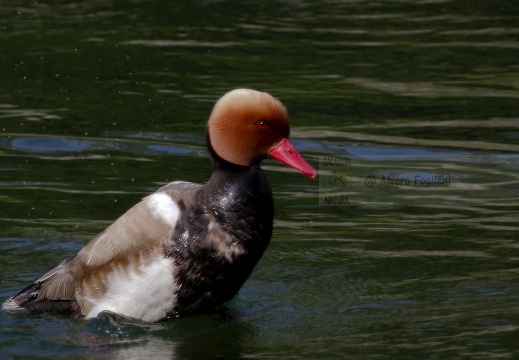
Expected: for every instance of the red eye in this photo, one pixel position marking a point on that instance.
(262, 124)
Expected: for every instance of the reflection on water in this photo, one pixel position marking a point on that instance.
(49, 144)
(415, 251)
(431, 89)
(169, 149)
(410, 141)
(207, 336)
(52, 145)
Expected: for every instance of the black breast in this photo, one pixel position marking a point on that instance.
(220, 238)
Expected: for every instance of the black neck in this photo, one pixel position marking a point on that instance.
(237, 192)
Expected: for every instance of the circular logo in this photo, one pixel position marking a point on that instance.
(336, 181)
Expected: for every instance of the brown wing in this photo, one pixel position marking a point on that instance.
(148, 224)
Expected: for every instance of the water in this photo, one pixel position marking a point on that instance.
(103, 102)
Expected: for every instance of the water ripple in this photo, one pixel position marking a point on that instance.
(51, 144)
(175, 43)
(57, 145)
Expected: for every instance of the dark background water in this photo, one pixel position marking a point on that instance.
(102, 102)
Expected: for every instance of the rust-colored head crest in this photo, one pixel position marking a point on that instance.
(245, 124)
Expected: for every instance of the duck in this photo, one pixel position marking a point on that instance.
(187, 248)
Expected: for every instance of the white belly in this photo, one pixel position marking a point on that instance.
(144, 291)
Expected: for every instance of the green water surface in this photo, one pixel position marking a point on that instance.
(103, 102)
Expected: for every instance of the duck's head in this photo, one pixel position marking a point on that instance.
(247, 126)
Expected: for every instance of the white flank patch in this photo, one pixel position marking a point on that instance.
(146, 293)
(164, 207)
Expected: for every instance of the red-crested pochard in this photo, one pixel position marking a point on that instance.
(186, 248)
